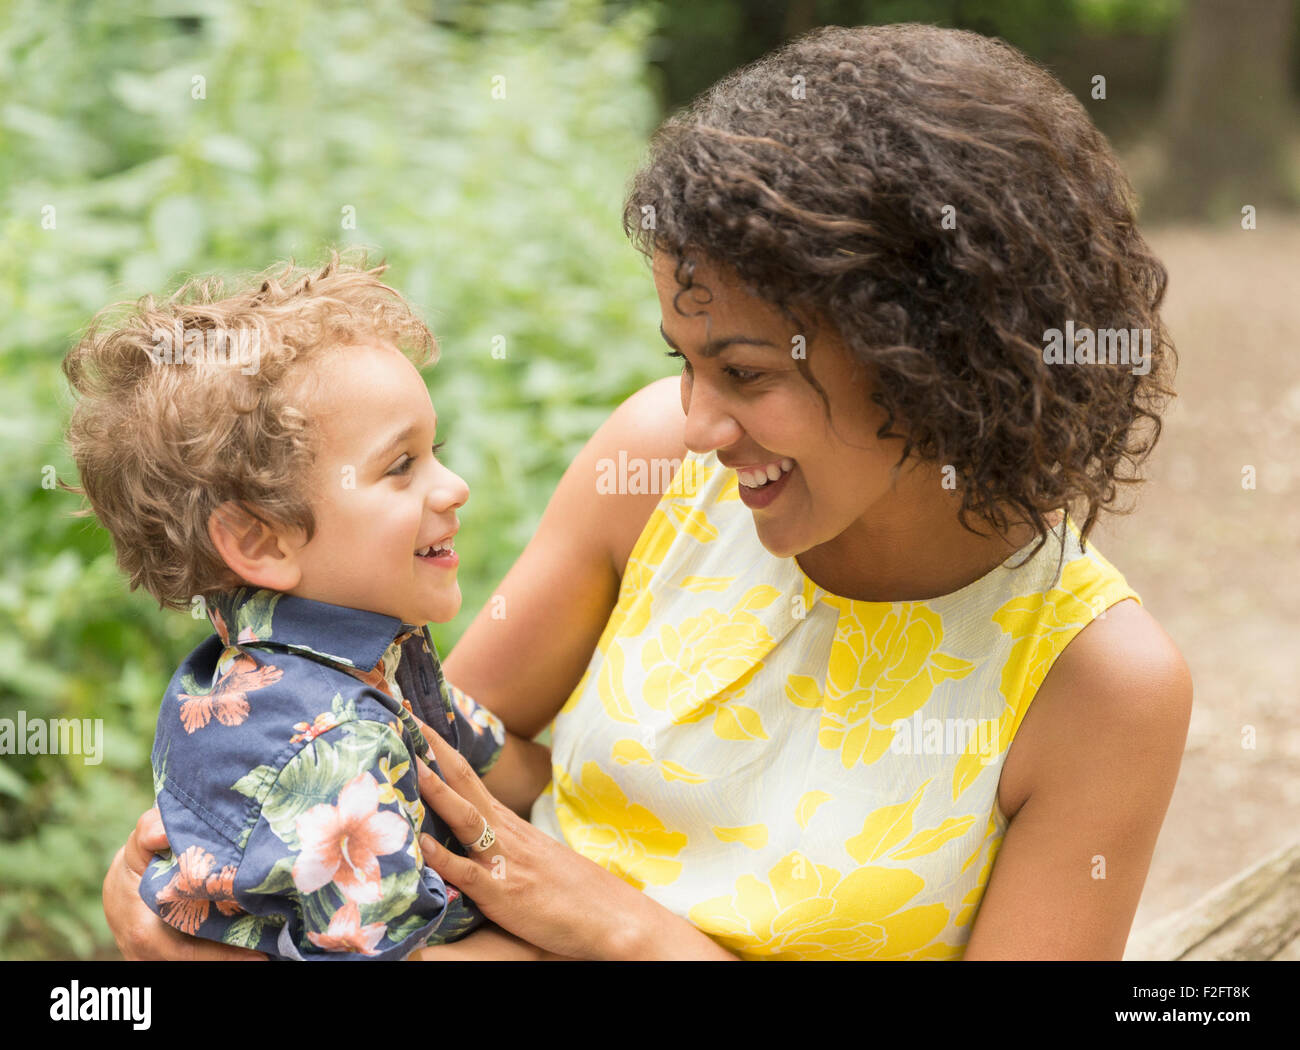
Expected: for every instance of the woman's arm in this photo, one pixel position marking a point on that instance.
(520, 773)
(488, 943)
(560, 593)
(1109, 726)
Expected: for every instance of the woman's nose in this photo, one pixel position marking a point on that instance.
(709, 425)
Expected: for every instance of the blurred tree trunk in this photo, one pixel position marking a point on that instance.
(1227, 117)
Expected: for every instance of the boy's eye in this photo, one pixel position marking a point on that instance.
(404, 466)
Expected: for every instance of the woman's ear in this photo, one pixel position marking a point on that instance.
(252, 550)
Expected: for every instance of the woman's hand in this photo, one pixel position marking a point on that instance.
(539, 889)
(139, 933)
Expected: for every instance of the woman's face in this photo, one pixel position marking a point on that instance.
(744, 398)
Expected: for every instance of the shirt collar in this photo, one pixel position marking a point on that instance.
(351, 637)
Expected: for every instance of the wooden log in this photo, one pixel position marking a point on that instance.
(1254, 915)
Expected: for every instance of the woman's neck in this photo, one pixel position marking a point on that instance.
(911, 549)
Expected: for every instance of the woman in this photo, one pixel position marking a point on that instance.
(791, 697)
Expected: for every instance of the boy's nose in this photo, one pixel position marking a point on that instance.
(449, 491)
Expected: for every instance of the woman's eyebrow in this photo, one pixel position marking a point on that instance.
(715, 346)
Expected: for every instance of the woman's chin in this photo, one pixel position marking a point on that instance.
(779, 542)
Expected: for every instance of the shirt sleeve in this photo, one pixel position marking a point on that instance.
(334, 855)
(481, 734)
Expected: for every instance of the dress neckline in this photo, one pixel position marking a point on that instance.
(848, 604)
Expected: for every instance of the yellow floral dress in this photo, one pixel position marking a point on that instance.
(801, 775)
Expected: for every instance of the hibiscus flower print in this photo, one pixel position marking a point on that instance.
(374, 678)
(479, 718)
(184, 902)
(246, 634)
(219, 624)
(342, 844)
(323, 723)
(346, 934)
(229, 699)
(382, 675)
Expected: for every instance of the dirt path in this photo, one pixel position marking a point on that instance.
(1219, 565)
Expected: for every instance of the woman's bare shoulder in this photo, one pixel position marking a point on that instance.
(563, 587)
(650, 422)
(629, 461)
(1104, 738)
(1121, 686)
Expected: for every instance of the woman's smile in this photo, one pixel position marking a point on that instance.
(836, 468)
(757, 486)
(757, 477)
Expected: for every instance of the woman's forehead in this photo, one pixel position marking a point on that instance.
(713, 289)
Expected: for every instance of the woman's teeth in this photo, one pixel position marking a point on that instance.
(426, 552)
(757, 478)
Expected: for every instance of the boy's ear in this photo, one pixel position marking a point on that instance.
(252, 550)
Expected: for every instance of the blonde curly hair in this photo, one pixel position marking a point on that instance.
(162, 439)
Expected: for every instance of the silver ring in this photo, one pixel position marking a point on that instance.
(484, 841)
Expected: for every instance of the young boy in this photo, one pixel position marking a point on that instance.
(268, 455)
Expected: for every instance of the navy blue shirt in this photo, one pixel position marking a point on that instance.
(284, 767)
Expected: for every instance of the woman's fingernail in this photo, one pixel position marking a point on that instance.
(428, 844)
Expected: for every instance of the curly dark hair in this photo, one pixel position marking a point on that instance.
(820, 175)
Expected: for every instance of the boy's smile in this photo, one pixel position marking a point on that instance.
(385, 507)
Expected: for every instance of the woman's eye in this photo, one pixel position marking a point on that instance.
(438, 447)
(739, 375)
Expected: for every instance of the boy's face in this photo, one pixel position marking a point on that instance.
(378, 493)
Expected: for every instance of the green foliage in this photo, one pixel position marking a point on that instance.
(702, 40)
(1143, 16)
(500, 217)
